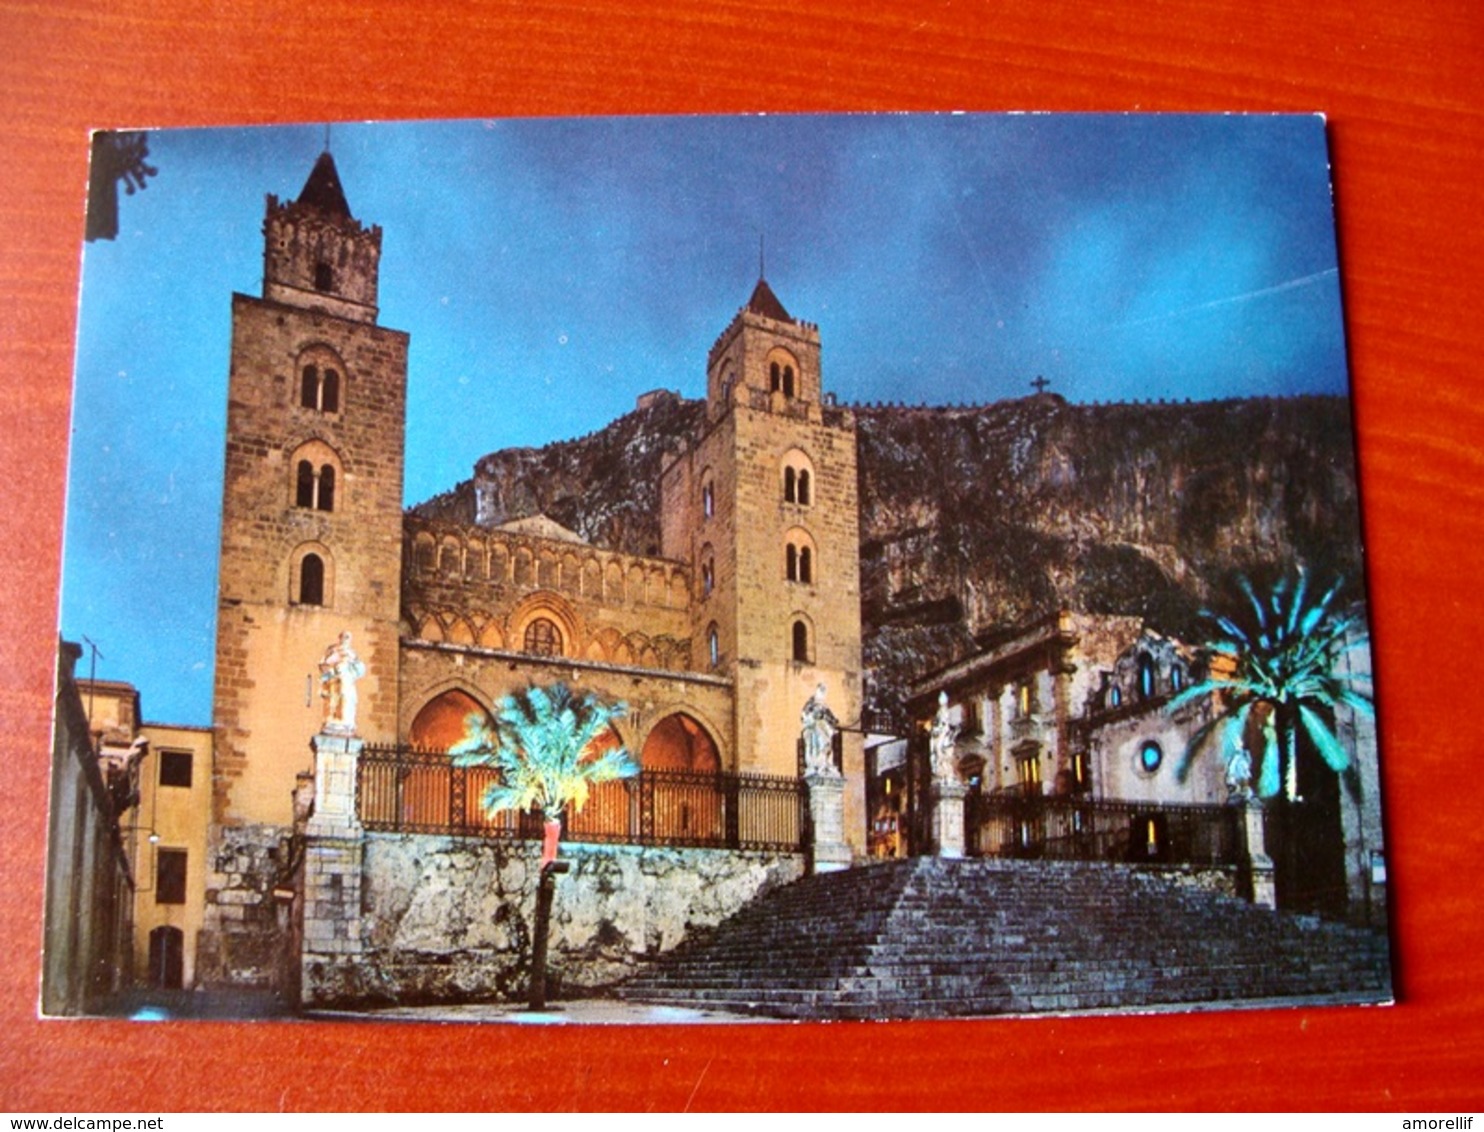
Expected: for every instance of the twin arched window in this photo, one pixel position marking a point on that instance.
(781, 379)
(798, 562)
(319, 388)
(315, 487)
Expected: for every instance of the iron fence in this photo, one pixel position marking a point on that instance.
(406, 790)
(1081, 829)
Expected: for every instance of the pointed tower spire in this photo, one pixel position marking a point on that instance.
(765, 303)
(322, 189)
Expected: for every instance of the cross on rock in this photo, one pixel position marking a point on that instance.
(1040, 384)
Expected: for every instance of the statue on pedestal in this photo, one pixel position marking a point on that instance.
(941, 742)
(819, 727)
(339, 669)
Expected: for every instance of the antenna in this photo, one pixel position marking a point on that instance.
(761, 274)
(327, 137)
(92, 676)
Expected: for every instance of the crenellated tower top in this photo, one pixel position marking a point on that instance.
(316, 255)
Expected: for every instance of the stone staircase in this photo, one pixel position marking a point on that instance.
(931, 938)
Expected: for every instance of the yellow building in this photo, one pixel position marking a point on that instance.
(163, 827)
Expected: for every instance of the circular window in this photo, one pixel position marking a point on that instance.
(1150, 756)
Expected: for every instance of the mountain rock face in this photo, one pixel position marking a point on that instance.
(975, 520)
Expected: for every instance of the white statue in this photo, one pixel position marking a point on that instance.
(941, 742)
(1239, 775)
(819, 727)
(339, 669)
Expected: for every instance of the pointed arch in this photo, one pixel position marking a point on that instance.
(680, 741)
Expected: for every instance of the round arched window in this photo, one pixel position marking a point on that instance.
(542, 638)
(1150, 756)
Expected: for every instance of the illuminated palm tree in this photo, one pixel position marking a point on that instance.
(549, 746)
(1284, 679)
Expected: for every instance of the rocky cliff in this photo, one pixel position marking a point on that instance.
(977, 519)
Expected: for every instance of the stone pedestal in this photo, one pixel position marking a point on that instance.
(948, 817)
(827, 814)
(333, 852)
(1259, 864)
(335, 760)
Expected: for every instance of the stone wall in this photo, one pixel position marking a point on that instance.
(450, 919)
(244, 938)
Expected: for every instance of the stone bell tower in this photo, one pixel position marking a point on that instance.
(765, 509)
(311, 537)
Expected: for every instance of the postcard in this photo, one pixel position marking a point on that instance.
(703, 569)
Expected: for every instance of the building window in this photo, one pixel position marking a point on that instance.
(320, 389)
(1150, 756)
(713, 646)
(312, 580)
(175, 768)
(801, 642)
(315, 489)
(1146, 676)
(1177, 678)
(708, 578)
(797, 478)
(1028, 767)
(304, 487)
(1115, 696)
(170, 876)
(788, 381)
(775, 382)
(1025, 699)
(708, 499)
(798, 563)
(543, 638)
(324, 277)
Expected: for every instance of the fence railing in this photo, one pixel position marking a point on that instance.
(404, 790)
(1073, 829)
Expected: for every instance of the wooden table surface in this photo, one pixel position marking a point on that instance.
(1401, 85)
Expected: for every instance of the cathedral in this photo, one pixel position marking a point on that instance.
(713, 644)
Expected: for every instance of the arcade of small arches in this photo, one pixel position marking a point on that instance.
(546, 629)
(676, 740)
(524, 563)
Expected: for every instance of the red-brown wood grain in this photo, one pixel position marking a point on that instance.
(1402, 87)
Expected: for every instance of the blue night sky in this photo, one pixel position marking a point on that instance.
(551, 271)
